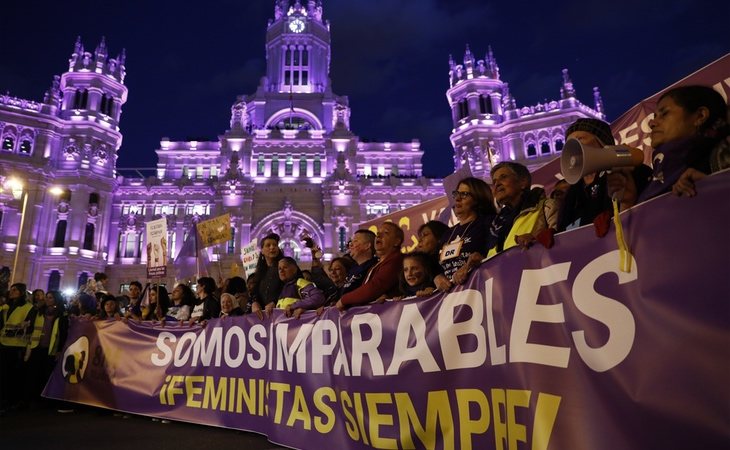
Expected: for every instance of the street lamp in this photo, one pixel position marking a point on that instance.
(18, 190)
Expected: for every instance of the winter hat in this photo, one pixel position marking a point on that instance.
(598, 128)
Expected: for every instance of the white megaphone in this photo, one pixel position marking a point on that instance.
(579, 160)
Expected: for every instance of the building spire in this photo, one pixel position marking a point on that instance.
(567, 90)
(598, 101)
(492, 67)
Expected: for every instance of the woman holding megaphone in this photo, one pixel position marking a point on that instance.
(587, 198)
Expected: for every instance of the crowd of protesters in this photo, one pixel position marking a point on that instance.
(690, 140)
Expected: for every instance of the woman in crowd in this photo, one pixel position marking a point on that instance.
(49, 335)
(588, 198)
(429, 237)
(236, 286)
(230, 306)
(268, 285)
(297, 294)
(522, 211)
(159, 303)
(17, 325)
(183, 299)
(39, 298)
(465, 244)
(688, 124)
(207, 306)
(417, 277)
(109, 307)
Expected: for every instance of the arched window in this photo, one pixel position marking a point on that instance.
(303, 167)
(274, 166)
(531, 150)
(54, 280)
(131, 248)
(289, 166)
(342, 238)
(232, 242)
(8, 143)
(317, 166)
(463, 109)
(485, 104)
(545, 147)
(59, 239)
(26, 147)
(559, 145)
(89, 237)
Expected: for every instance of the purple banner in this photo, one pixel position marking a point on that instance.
(541, 349)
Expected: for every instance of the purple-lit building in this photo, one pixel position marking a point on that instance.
(288, 161)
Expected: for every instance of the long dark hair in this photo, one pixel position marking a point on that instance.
(692, 98)
(58, 301)
(188, 296)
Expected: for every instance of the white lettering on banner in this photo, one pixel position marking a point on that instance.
(615, 315)
(161, 361)
(368, 347)
(285, 353)
(527, 311)
(498, 354)
(204, 353)
(258, 347)
(411, 319)
(464, 332)
(237, 359)
(625, 138)
(319, 348)
(449, 331)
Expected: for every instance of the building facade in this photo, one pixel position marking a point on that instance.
(287, 162)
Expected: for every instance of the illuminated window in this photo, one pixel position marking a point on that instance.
(485, 104)
(25, 147)
(289, 166)
(185, 173)
(260, 166)
(232, 242)
(342, 239)
(89, 237)
(59, 238)
(132, 245)
(8, 143)
(54, 280)
(213, 171)
(275, 166)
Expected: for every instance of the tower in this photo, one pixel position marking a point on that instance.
(475, 96)
(489, 127)
(298, 48)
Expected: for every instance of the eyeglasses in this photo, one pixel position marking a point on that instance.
(460, 194)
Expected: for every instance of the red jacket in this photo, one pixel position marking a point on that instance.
(382, 279)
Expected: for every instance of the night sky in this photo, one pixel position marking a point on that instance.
(186, 64)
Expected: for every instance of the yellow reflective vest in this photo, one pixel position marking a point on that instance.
(35, 338)
(14, 333)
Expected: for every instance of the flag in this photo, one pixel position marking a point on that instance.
(186, 263)
(214, 231)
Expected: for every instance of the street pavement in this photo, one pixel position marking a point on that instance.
(100, 429)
